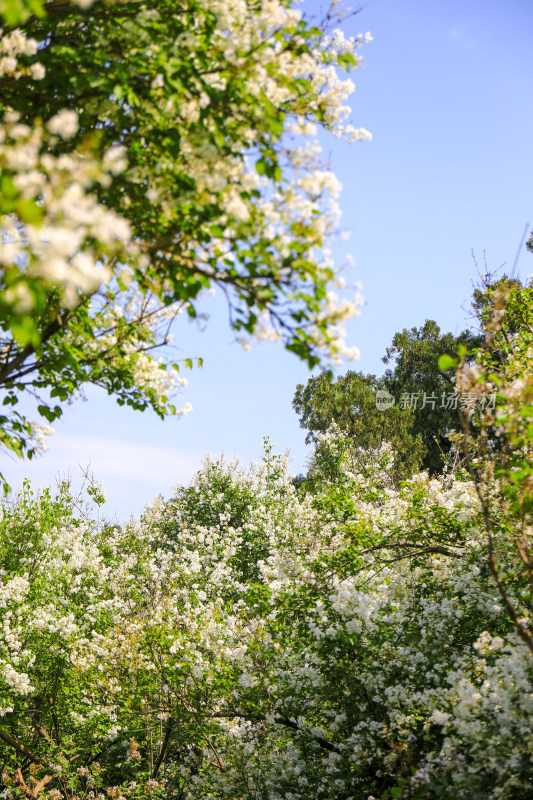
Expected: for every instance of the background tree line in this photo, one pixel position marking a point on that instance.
(425, 412)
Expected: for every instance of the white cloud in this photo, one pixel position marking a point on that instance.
(132, 473)
(465, 35)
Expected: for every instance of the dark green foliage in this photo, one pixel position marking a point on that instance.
(414, 354)
(417, 424)
(350, 401)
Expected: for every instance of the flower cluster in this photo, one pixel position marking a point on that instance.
(13, 44)
(58, 233)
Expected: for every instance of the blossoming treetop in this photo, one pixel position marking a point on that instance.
(149, 152)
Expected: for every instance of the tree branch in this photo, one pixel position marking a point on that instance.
(21, 748)
(163, 749)
(288, 723)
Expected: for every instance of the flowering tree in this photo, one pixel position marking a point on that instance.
(245, 640)
(361, 639)
(149, 153)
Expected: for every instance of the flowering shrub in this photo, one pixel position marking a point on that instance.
(245, 640)
(351, 639)
(499, 457)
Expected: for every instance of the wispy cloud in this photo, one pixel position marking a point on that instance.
(466, 34)
(132, 473)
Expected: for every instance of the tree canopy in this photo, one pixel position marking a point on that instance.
(149, 153)
(417, 382)
(350, 402)
(426, 404)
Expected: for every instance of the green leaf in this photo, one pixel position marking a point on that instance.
(7, 187)
(447, 362)
(29, 212)
(25, 332)
(16, 11)
(46, 412)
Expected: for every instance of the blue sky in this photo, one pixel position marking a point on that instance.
(447, 93)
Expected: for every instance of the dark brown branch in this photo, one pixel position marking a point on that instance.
(318, 739)
(20, 358)
(21, 748)
(41, 731)
(163, 750)
(413, 549)
(288, 723)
